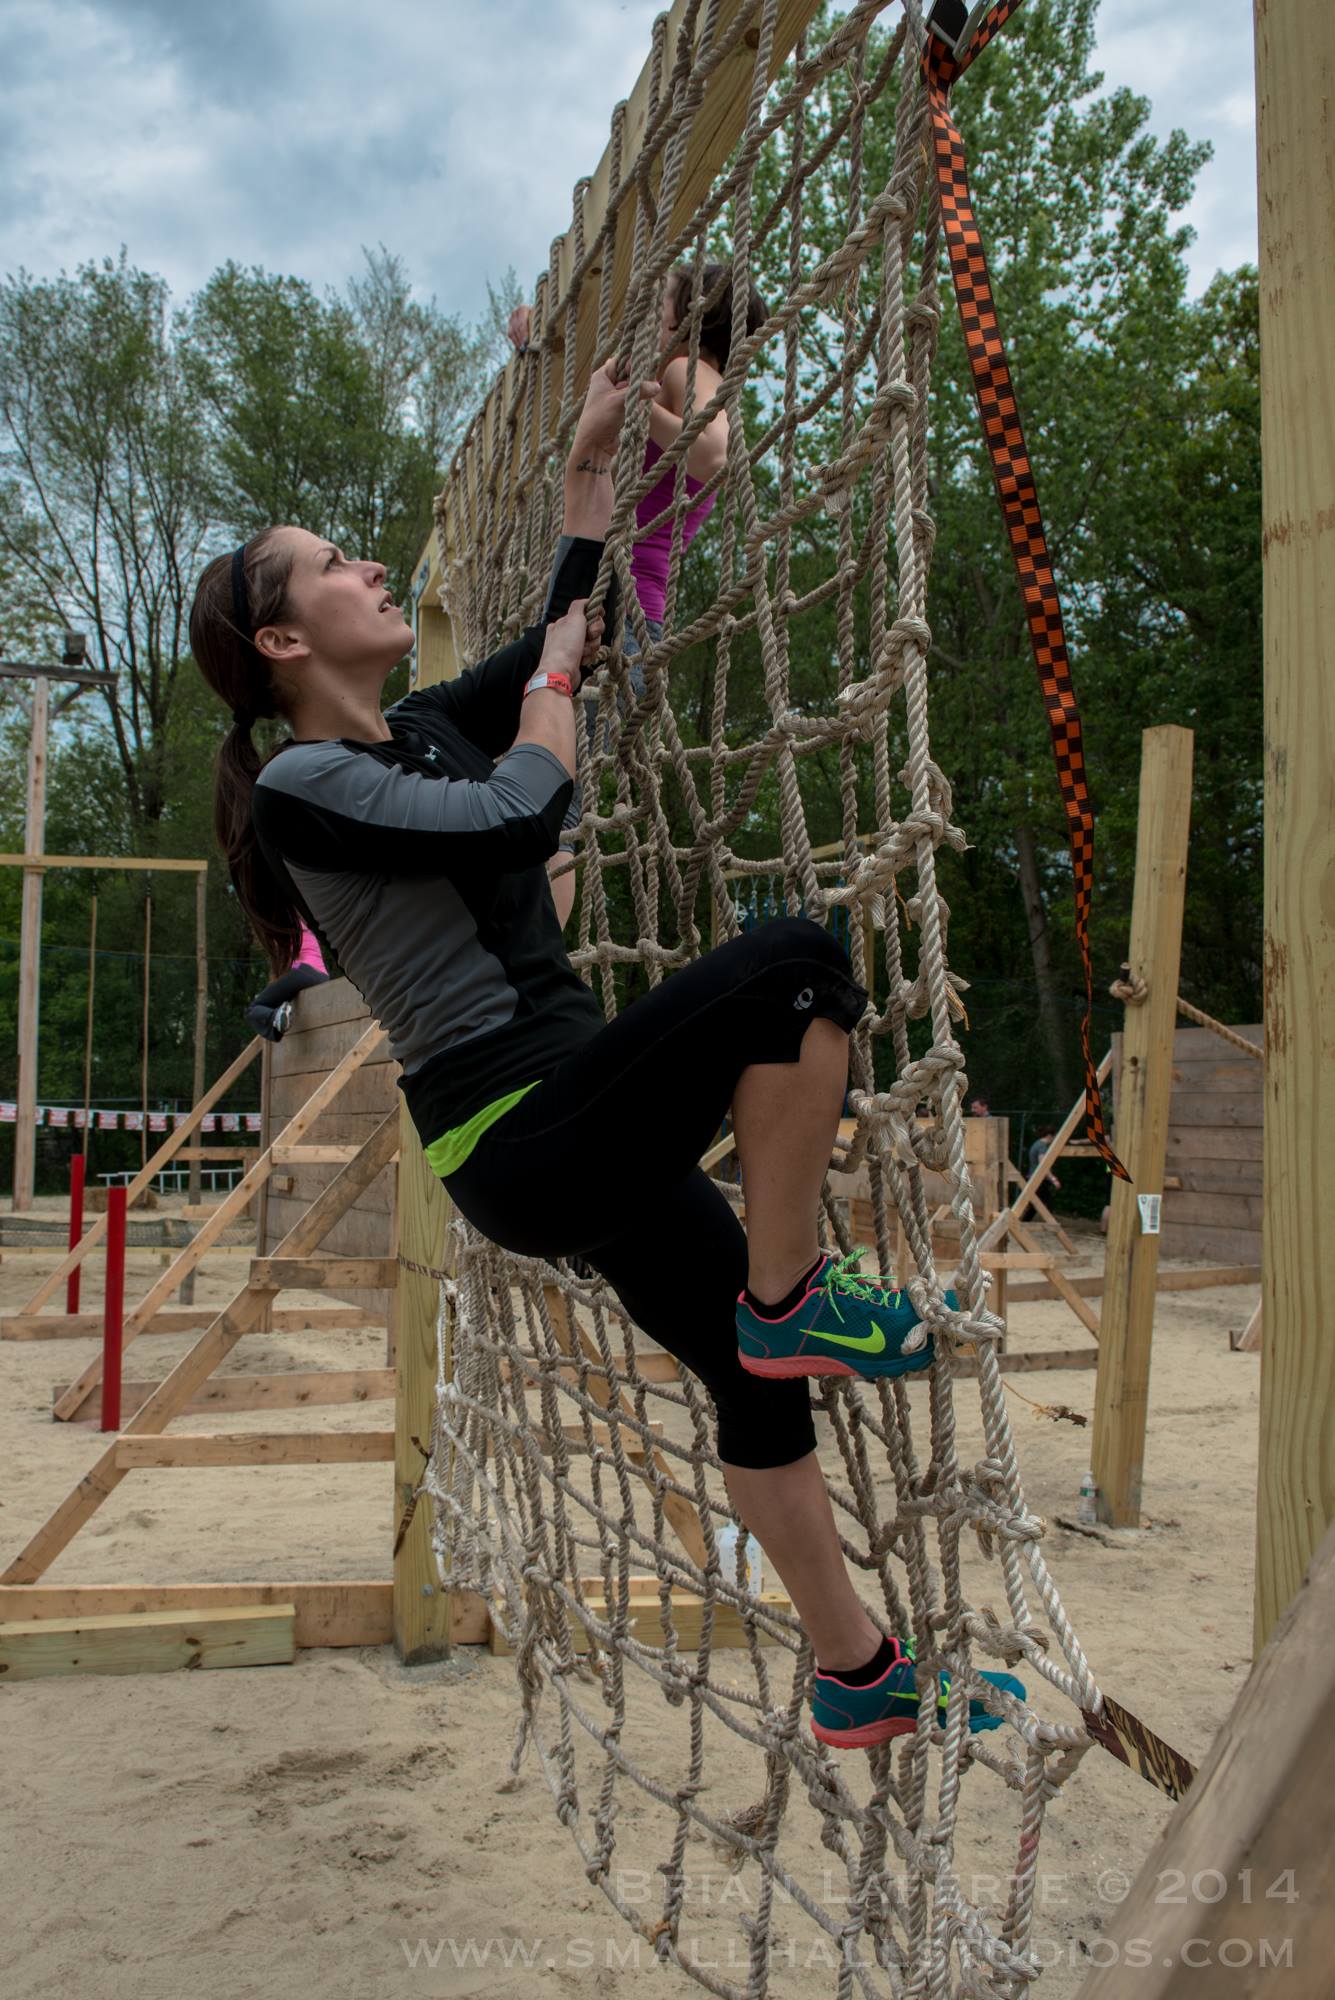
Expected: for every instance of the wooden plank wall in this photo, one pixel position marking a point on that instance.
(326, 1021)
(1214, 1150)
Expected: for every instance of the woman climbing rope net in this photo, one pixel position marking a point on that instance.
(413, 842)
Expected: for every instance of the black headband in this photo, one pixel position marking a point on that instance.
(240, 607)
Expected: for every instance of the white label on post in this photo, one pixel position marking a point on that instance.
(1149, 1205)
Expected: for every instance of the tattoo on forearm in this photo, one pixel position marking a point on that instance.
(600, 470)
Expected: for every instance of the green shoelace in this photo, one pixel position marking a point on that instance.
(876, 1291)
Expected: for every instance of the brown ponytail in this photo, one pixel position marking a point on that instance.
(239, 675)
(716, 324)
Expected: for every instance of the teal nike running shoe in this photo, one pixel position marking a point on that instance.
(845, 1324)
(854, 1718)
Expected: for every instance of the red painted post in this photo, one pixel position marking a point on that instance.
(113, 1310)
(76, 1231)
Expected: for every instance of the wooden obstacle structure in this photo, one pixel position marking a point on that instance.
(1230, 1897)
(122, 1628)
(326, 1022)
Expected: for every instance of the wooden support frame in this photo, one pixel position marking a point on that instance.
(681, 1514)
(234, 1204)
(1259, 1820)
(1295, 86)
(35, 863)
(1144, 1088)
(171, 1396)
(167, 1151)
(247, 1635)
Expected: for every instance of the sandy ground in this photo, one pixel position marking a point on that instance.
(348, 1826)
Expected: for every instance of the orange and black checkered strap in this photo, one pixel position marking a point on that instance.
(1019, 503)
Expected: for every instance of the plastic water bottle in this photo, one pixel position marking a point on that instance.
(753, 1573)
(1087, 1513)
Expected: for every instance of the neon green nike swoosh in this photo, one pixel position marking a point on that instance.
(866, 1343)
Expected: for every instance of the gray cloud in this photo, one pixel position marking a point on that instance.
(290, 132)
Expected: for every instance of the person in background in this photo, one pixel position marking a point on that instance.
(1046, 1135)
(651, 555)
(980, 1108)
(270, 1012)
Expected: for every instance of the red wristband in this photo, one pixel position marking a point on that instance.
(547, 679)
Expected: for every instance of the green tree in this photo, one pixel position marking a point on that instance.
(102, 512)
(336, 413)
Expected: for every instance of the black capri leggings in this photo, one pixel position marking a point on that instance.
(600, 1159)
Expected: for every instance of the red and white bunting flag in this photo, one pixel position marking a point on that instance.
(157, 1121)
(8, 1112)
(231, 1121)
(108, 1121)
(58, 1118)
(253, 1121)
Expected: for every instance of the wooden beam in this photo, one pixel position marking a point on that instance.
(653, 1366)
(129, 864)
(1295, 77)
(214, 1345)
(1036, 1362)
(425, 1609)
(1255, 1832)
(645, 1619)
(1090, 1285)
(273, 1390)
(1249, 1340)
(334, 1274)
(355, 1613)
(286, 1155)
(1059, 1281)
(1144, 1088)
(571, 1338)
(166, 1152)
(154, 1642)
(180, 1319)
(1063, 1141)
(30, 949)
(255, 1448)
(238, 1199)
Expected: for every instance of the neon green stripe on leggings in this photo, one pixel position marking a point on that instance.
(447, 1154)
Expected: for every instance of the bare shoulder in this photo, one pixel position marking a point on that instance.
(707, 379)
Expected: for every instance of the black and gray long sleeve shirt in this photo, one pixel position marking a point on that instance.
(420, 863)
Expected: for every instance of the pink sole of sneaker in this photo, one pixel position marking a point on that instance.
(798, 1364)
(863, 1738)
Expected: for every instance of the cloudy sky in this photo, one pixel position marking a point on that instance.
(288, 133)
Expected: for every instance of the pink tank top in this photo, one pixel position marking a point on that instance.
(652, 554)
(309, 953)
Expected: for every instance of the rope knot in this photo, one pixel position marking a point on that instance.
(1131, 989)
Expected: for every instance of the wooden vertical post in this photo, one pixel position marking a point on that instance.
(30, 951)
(76, 1231)
(1295, 87)
(421, 1605)
(1143, 1091)
(422, 1608)
(144, 1027)
(201, 1012)
(113, 1310)
(88, 1026)
(194, 1186)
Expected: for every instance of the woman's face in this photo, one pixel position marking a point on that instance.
(340, 605)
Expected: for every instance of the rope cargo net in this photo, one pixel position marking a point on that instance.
(573, 1472)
